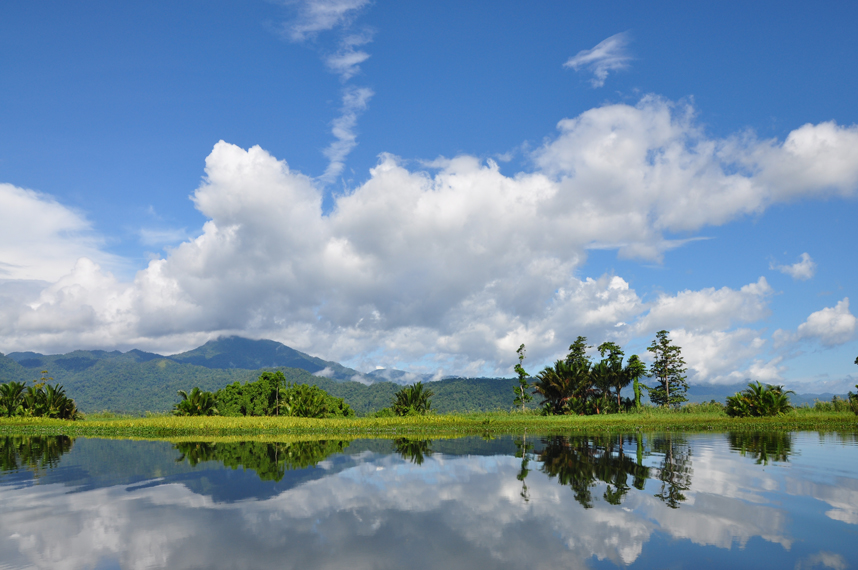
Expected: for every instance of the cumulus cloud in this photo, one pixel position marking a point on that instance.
(830, 326)
(609, 55)
(41, 238)
(803, 269)
(451, 267)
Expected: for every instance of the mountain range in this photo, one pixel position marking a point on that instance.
(138, 381)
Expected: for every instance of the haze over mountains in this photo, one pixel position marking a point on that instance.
(138, 381)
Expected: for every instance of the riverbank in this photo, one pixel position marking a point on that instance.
(160, 427)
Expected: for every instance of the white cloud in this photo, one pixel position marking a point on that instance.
(451, 269)
(831, 326)
(803, 269)
(355, 101)
(609, 55)
(41, 238)
(316, 16)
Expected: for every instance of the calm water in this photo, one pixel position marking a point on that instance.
(643, 501)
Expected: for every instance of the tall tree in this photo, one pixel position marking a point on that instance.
(634, 370)
(522, 396)
(578, 352)
(618, 379)
(668, 369)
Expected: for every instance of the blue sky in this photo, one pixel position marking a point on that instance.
(434, 183)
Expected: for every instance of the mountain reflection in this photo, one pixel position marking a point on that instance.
(34, 453)
(270, 460)
(764, 447)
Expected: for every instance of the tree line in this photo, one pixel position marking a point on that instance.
(577, 385)
(41, 400)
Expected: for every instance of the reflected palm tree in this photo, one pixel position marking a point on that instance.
(581, 462)
(413, 450)
(270, 461)
(34, 453)
(764, 447)
(675, 469)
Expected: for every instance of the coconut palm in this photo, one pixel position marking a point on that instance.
(564, 387)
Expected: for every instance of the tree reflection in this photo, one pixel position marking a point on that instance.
(34, 453)
(763, 447)
(413, 450)
(522, 451)
(674, 472)
(270, 461)
(580, 462)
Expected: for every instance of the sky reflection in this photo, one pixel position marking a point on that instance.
(378, 505)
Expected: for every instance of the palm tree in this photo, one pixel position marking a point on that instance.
(412, 400)
(758, 400)
(12, 399)
(197, 403)
(563, 385)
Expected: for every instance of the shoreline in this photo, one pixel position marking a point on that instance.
(453, 425)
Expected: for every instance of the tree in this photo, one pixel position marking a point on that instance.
(522, 396)
(197, 403)
(12, 399)
(564, 387)
(412, 400)
(578, 352)
(634, 370)
(668, 369)
(618, 377)
(758, 400)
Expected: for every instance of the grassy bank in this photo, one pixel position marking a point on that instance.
(164, 427)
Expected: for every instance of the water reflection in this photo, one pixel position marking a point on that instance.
(763, 447)
(33, 453)
(270, 461)
(512, 502)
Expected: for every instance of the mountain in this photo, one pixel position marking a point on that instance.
(400, 377)
(244, 353)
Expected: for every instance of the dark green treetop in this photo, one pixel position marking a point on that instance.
(668, 369)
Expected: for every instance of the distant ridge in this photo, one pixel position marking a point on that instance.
(400, 377)
(247, 354)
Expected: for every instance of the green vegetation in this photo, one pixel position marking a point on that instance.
(577, 386)
(758, 401)
(668, 369)
(39, 400)
(272, 395)
(522, 396)
(412, 400)
(689, 418)
(198, 403)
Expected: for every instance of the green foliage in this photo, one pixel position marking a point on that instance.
(384, 413)
(578, 352)
(272, 395)
(668, 369)
(413, 450)
(306, 401)
(758, 401)
(42, 400)
(34, 453)
(197, 403)
(269, 460)
(412, 400)
(763, 447)
(522, 396)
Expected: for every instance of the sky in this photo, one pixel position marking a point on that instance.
(426, 186)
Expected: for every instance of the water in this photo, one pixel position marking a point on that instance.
(642, 501)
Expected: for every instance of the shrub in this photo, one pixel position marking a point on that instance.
(758, 400)
(412, 400)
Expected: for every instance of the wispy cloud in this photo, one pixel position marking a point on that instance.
(609, 55)
(803, 269)
(355, 100)
(316, 16)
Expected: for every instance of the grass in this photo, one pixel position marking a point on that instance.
(692, 418)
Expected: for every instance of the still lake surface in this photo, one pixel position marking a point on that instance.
(783, 500)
